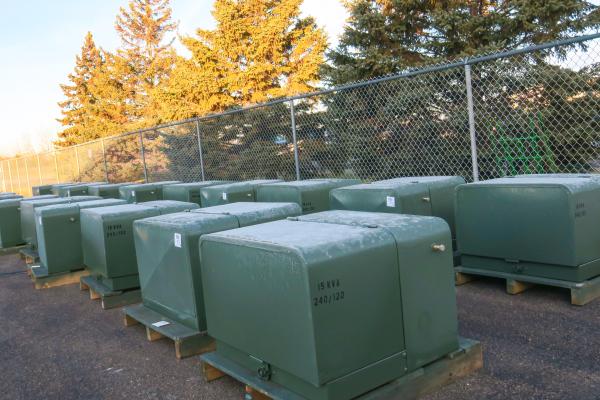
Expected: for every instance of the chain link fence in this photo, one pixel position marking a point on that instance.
(532, 110)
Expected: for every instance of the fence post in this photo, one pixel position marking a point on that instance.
(37, 156)
(143, 156)
(295, 140)
(472, 132)
(10, 177)
(105, 162)
(56, 168)
(77, 162)
(27, 175)
(200, 149)
(3, 178)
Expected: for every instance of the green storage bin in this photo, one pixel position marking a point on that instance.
(312, 194)
(143, 192)
(172, 240)
(232, 192)
(108, 244)
(429, 195)
(334, 304)
(189, 192)
(10, 223)
(28, 206)
(541, 227)
(107, 190)
(58, 229)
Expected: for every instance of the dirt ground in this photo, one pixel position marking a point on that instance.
(58, 344)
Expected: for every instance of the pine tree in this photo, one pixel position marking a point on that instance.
(146, 56)
(387, 36)
(78, 108)
(260, 50)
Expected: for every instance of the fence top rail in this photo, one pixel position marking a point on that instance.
(355, 85)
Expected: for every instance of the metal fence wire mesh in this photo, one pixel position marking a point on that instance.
(533, 110)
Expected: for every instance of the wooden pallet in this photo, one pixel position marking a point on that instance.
(29, 255)
(429, 378)
(42, 280)
(4, 251)
(581, 292)
(188, 342)
(109, 298)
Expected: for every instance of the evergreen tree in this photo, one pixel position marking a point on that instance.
(387, 36)
(79, 107)
(145, 58)
(260, 50)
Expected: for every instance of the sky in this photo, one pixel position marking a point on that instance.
(39, 40)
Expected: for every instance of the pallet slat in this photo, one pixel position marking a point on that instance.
(581, 292)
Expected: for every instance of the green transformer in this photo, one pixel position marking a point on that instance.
(143, 192)
(58, 229)
(80, 189)
(10, 220)
(55, 187)
(334, 304)
(10, 223)
(171, 240)
(189, 192)
(108, 244)
(9, 196)
(232, 192)
(429, 195)
(41, 190)
(543, 227)
(28, 206)
(107, 190)
(312, 194)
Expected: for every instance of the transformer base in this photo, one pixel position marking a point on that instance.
(43, 280)
(11, 250)
(188, 342)
(581, 292)
(109, 298)
(429, 378)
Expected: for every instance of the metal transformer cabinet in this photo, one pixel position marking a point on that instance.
(10, 223)
(80, 189)
(312, 194)
(28, 206)
(428, 195)
(10, 220)
(9, 196)
(41, 190)
(107, 190)
(54, 188)
(542, 227)
(143, 192)
(232, 192)
(189, 192)
(108, 244)
(58, 230)
(334, 304)
(172, 240)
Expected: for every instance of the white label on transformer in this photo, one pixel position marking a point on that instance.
(35, 266)
(390, 201)
(133, 193)
(161, 323)
(40, 220)
(177, 239)
(224, 196)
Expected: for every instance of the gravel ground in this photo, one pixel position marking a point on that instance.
(58, 344)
